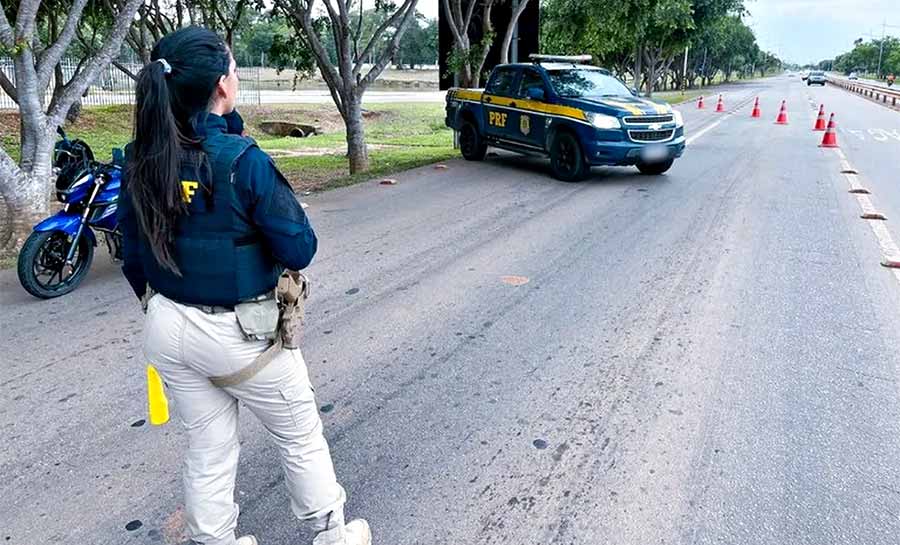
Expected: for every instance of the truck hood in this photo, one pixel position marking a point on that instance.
(620, 106)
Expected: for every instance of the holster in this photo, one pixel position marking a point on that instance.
(290, 295)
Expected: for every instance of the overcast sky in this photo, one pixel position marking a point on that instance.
(805, 31)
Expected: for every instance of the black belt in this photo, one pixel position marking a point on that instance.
(210, 309)
(222, 309)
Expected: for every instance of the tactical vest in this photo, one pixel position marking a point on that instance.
(220, 253)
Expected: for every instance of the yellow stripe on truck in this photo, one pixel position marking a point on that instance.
(632, 109)
(466, 94)
(660, 108)
(537, 107)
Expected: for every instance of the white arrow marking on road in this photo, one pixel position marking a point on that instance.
(878, 134)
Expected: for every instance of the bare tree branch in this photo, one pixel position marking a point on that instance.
(510, 30)
(6, 32)
(25, 19)
(451, 20)
(410, 7)
(111, 46)
(358, 33)
(125, 70)
(8, 87)
(53, 54)
(471, 11)
(303, 15)
(403, 13)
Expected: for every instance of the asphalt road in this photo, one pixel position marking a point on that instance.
(707, 356)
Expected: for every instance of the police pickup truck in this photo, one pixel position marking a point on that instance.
(578, 115)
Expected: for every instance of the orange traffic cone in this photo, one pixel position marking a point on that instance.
(700, 103)
(720, 106)
(820, 121)
(830, 138)
(756, 112)
(782, 114)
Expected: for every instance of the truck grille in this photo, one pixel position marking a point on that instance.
(651, 136)
(647, 119)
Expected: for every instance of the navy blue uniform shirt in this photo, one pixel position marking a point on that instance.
(267, 199)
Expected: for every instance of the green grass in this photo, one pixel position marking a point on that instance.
(677, 97)
(401, 136)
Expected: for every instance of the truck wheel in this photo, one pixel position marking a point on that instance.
(655, 169)
(566, 158)
(471, 144)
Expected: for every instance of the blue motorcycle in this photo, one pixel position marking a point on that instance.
(57, 255)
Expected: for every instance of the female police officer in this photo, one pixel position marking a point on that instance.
(208, 224)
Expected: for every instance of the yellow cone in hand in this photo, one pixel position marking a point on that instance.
(157, 404)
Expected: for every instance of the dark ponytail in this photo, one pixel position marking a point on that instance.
(173, 93)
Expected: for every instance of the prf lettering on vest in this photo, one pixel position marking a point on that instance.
(497, 119)
(188, 188)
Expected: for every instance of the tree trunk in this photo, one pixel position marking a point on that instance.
(24, 195)
(638, 69)
(651, 73)
(74, 112)
(18, 216)
(356, 136)
(510, 30)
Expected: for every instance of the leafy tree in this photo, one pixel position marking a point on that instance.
(419, 44)
(467, 58)
(355, 71)
(642, 37)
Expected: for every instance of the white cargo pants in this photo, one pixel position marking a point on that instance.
(187, 345)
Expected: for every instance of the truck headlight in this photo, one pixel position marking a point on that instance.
(602, 121)
(679, 119)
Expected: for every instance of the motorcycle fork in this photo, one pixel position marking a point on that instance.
(84, 216)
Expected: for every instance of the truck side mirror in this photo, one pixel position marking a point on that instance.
(535, 93)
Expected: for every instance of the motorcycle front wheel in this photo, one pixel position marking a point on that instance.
(42, 267)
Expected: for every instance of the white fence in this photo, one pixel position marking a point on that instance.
(113, 86)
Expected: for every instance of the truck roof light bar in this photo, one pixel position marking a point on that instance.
(574, 59)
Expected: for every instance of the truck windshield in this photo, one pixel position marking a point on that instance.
(586, 83)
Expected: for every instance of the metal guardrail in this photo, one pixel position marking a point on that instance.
(875, 92)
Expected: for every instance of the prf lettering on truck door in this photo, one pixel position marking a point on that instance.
(497, 119)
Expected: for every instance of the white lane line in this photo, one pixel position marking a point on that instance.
(715, 124)
(703, 131)
(889, 249)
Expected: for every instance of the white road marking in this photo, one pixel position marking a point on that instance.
(877, 134)
(715, 124)
(703, 131)
(889, 249)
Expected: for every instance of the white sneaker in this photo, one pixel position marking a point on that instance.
(358, 532)
(247, 540)
(355, 532)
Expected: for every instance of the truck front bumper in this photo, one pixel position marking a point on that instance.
(622, 153)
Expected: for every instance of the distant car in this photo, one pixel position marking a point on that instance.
(817, 78)
(853, 76)
(804, 76)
